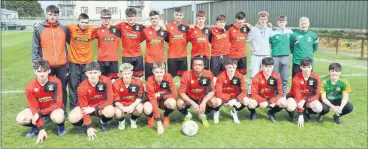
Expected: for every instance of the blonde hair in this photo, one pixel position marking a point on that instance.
(124, 67)
(263, 14)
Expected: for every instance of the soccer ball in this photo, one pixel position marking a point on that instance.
(190, 128)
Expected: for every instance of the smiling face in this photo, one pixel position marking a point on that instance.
(42, 74)
(93, 76)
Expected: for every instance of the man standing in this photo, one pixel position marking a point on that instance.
(108, 45)
(131, 42)
(259, 35)
(155, 38)
(238, 34)
(335, 94)
(80, 54)
(199, 36)
(280, 51)
(304, 43)
(49, 42)
(177, 31)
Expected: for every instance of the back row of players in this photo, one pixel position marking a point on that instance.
(96, 94)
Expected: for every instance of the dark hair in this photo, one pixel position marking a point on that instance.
(231, 62)
(221, 17)
(153, 13)
(52, 9)
(160, 65)
(130, 11)
(178, 9)
(306, 61)
(240, 15)
(105, 12)
(43, 64)
(267, 61)
(92, 66)
(334, 66)
(282, 18)
(197, 58)
(200, 13)
(83, 16)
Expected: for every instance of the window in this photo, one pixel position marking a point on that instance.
(84, 10)
(114, 10)
(99, 9)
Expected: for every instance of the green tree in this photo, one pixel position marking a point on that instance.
(30, 8)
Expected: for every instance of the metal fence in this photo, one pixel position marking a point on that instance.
(322, 14)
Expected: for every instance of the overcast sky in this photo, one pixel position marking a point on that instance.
(156, 5)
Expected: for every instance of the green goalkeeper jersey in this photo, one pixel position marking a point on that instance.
(335, 91)
(303, 44)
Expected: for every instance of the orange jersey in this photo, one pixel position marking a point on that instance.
(127, 95)
(44, 99)
(131, 39)
(238, 38)
(166, 89)
(108, 43)
(220, 42)
(177, 35)
(196, 88)
(266, 89)
(99, 96)
(80, 44)
(200, 41)
(154, 44)
(227, 89)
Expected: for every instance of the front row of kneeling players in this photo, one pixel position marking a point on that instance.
(97, 96)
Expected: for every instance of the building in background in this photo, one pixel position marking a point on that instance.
(8, 14)
(71, 8)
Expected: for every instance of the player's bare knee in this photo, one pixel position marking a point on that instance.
(252, 104)
(147, 108)
(218, 102)
(282, 104)
(170, 103)
(291, 104)
(57, 116)
(245, 101)
(180, 104)
(139, 108)
(75, 115)
(317, 107)
(118, 113)
(23, 119)
(108, 111)
(263, 105)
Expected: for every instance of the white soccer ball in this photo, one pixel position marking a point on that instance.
(190, 128)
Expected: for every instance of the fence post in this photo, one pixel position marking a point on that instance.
(337, 45)
(362, 50)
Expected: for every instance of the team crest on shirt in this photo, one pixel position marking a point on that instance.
(100, 87)
(309, 39)
(183, 28)
(311, 82)
(137, 28)
(121, 89)
(36, 89)
(206, 31)
(272, 82)
(161, 33)
(204, 81)
(51, 87)
(164, 85)
(338, 89)
(133, 89)
(235, 81)
(300, 36)
(114, 30)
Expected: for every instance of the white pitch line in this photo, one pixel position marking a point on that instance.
(355, 66)
(177, 83)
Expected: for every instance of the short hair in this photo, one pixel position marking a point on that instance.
(52, 9)
(42, 64)
(92, 66)
(263, 14)
(197, 58)
(334, 66)
(282, 18)
(267, 61)
(240, 15)
(83, 16)
(306, 61)
(302, 19)
(153, 13)
(178, 9)
(221, 17)
(130, 11)
(231, 62)
(160, 65)
(105, 12)
(126, 66)
(201, 13)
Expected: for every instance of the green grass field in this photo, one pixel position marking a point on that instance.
(17, 72)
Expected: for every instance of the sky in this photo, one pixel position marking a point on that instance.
(156, 5)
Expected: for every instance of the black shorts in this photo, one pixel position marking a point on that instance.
(217, 64)
(177, 66)
(109, 68)
(206, 62)
(242, 65)
(137, 63)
